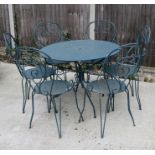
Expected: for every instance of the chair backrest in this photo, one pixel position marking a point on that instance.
(143, 40)
(10, 44)
(31, 58)
(103, 30)
(46, 33)
(123, 62)
(144, 36)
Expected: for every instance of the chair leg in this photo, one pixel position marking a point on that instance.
(108, 106)
(54, 106)
(27, 89)
(94, 111)
(32, 110)
(28, 92)
(102, 124)
(24, 96)
(132, 87)
(113, 102)
(55, 115)
(137, 93)
(48, 104)
(128, 103)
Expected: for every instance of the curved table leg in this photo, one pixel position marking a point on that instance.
(80, 80)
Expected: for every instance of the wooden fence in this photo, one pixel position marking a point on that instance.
(128, 19)
(71, 18)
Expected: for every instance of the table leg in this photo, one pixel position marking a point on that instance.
(80, 80)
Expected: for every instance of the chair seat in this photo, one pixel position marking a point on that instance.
(124, 71)
(39, 72)
(58, 87)
(100, 86)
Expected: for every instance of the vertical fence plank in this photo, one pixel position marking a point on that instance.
(4, 21)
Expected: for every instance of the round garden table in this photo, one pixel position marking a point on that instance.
(79, 52)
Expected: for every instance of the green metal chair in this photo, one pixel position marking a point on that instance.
(46, 33)
(117, 67)
(51, 88)
(103, 30)
(11, 50)
(143, 40)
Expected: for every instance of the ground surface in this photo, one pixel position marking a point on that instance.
(119, 134)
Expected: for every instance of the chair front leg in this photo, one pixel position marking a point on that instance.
(131, 86)
(28, 89)
(58, 121)
(32, 110)
(24, 95)
(48, 104)
(102, 124)
(128, 103)
(137, 93)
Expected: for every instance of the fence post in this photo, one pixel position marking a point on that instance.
(92, 18)
(11, 21)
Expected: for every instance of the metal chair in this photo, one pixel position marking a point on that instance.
(45, 34)
(11, 46)
(144, 36)
(48, 33)
(103, 30)
(114, 79)
(143, 40)
(51, 88)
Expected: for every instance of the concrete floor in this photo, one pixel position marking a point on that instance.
(119, 134)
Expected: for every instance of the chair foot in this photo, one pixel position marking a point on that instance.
(23, 109)
(56, 111)
(32, 111)
(140, 108)
(60, 136)
(81, 119)
(58, 120)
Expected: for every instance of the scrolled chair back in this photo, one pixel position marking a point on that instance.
(46, 33)
(123, 62)
(144, 36)
(103, 30)
(32, 65)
